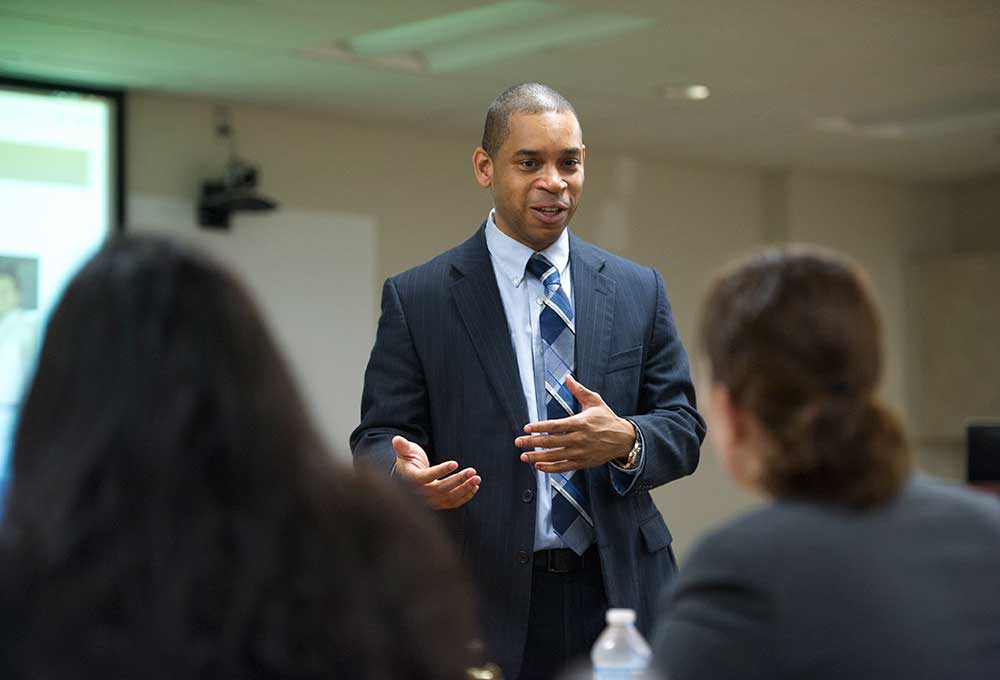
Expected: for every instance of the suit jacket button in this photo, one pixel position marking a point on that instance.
(528, 495)
(522, 557)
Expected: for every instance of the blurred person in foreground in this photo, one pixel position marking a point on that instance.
(173, 514)
(855, 568)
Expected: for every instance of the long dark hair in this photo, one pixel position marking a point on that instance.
(795, 337)
(172, 511)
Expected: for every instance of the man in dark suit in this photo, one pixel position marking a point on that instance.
(514, 357)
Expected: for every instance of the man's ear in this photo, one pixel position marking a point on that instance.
(482, 165)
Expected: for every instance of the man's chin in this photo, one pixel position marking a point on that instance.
(536, 234)
(547, 233)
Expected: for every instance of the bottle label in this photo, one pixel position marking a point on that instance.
(620, 674)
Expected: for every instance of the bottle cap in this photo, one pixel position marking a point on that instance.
(620, 617)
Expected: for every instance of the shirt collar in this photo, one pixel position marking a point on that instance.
(512, 256)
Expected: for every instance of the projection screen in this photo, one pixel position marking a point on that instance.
(61, 195)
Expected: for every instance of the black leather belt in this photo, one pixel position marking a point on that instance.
(565, 561)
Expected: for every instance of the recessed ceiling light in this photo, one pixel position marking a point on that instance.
(691, 92)
(697, 92)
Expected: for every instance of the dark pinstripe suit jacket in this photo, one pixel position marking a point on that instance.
(443, 374)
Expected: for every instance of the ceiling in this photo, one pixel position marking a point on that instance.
(906, 89)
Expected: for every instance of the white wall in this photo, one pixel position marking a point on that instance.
(416, 187)
(977, 215)
(310, 273)
(957, 333)
(417, 194)
(866, 220)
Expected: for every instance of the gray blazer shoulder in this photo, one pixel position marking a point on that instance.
(805, 590)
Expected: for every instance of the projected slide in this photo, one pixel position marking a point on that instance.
(56, 198)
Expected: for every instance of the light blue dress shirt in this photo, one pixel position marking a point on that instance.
(520, 294)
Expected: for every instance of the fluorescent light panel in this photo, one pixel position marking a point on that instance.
(481, 35)
(555, 33)
(945, 117)
(428, 32)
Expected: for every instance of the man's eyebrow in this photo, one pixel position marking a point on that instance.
(571, 151)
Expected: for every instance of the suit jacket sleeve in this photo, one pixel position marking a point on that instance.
(394, 398)
(718, 619)
(672, 430)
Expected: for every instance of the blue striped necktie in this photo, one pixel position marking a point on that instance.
(571, 516)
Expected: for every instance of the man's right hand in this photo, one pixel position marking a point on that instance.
(440, 485)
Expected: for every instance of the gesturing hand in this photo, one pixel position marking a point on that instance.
(441, 489)
(589, 438)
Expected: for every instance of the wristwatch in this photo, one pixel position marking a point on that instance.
(635, 451)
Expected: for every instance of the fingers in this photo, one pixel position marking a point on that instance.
(452, 482)
(433, 473)
(583, 395)
(404, 448)
(412, 463)
(559, 425)
(457, 496)
(461, 495)
(545, 456)
(560, 466)
(441, 489)
(546, 441)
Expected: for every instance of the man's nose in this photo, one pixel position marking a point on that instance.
(552, 181)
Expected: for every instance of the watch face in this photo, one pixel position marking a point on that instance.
(635, 452)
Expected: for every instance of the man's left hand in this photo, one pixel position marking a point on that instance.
(590, 438)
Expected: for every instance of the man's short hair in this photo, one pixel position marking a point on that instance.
(522, 98)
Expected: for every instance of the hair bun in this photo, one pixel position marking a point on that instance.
(845, 450)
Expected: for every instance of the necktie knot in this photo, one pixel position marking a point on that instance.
(543, 270)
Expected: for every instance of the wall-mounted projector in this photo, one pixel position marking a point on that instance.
(236, 192)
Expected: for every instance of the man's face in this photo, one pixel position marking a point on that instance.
(9, 295)
(536, 177)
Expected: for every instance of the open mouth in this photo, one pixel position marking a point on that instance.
(549, 214)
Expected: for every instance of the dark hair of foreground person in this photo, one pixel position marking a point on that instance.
(173, 514)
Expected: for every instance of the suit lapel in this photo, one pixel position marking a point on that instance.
(593, 294)
(478, 301)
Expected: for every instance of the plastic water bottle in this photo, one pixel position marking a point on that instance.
(620, 652)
